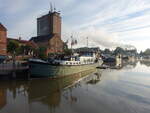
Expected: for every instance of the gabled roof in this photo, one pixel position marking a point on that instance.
(42, 38)
(2, 28)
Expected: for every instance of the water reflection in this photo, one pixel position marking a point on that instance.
(124, 90)
(123, 64)
(2, 98)
(47, 92)
(145, 62)
(130, 64)
(96, 78)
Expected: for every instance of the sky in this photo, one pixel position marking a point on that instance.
(106, 23)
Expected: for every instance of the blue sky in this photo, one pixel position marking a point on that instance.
(107, 23)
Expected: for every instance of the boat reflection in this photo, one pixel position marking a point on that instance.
(47, 92)
(129, 64)
(121, 65)
(2, 98)
(78, 93)
(96, 78)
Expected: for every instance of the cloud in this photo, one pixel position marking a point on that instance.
(128, 23)
(99, 38)
(107, 23)
(25, 27)
(14, 6)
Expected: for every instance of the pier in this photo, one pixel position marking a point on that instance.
(14, 71)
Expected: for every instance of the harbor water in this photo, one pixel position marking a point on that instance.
(123, 90)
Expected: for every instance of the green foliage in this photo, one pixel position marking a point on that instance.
(27, 49)
(67, 51)
(12, 46)
(107, 51)
(19, 51)
(119, 50)
(146, 52)
(141, 53)
(42, 52)
(122, 51)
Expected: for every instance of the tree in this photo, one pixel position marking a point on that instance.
(42, 52)
(107, 51)
(24, 50)
(28, 49)
(119, 50)
(66, 50)
(12, 46)
(146, 52)
(20, 50)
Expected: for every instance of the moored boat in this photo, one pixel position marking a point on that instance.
(60, 68)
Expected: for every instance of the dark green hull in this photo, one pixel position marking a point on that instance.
(47, 70)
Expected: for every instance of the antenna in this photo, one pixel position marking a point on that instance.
(54, 7)
(51, 7)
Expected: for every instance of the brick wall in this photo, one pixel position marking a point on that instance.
(55, 45)
(49, 24)
(3, 42)
(57, 24)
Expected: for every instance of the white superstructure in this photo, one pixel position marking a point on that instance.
(82, 60)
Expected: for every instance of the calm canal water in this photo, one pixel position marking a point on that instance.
(125, 90)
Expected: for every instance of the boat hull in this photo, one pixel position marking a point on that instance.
(48, 70)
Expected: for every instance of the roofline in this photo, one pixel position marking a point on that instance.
(4, 28)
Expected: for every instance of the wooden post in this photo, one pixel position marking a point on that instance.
(14, 69)
(14, 74)
(28, 75)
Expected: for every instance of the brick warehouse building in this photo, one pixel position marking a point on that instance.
(3, 40)
(49, 32)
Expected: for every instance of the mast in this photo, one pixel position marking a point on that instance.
(71, 42)
(51, 7)
(87, 41)
(54, 7)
